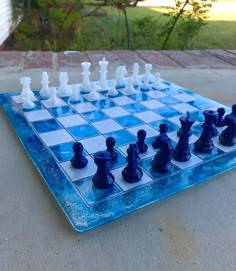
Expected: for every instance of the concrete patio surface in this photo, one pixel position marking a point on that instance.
(192, 231)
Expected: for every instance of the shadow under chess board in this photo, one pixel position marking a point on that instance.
(48, 133)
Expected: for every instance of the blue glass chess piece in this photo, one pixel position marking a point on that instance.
(228, 135)
(103, 178)
(219, 121)
(182, 151)
(110, 143)
(162, 159)
(132, 173)
(142, 146)
(78, 160)
(205, 144)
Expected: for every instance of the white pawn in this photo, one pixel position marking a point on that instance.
(53, 100)
(64, 89)
(157, 82)
(113, 91)
(130, 88)
(120, 76)
(75, 96)
(135, 72)
(145, 85)
(28, 104)
(44, 91)
(26, 90)
(93, 94)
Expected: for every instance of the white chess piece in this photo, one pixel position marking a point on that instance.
(44, 91)
(64, 89)
(93, 94)
(135, 72)
(103, 74)
(157, 82)
(53, 100)
(75, 96)
(148, 69)
(113, 91)
(120, 76)
(26, 90)
(27, 103)
(145, 85)
(130, 88)
(85, 86)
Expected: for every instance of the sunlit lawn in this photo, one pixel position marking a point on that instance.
(219, 32)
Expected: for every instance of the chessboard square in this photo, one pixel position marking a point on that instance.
(37, 106)
(128, 121)
(102, 104)
(17, 99)
(171, 126)
(63, 152)
(185, 97)
(76, 174)
(149, 153)
(38, 115)
(156, 94)
(94, 144)
(92, 99)
(106, 126)
(169, 100)
(152, 104)
(204, 103)
(72, 120)
(197, 130)
(149, 130)
(216, 152)
(120, 162)
(56, 137)
(47, 104)
(44, 126)
(123, 100)
(140, 97)
(193, 161)
(92, 194)
(184, 107)
(116, 112)
(83, 131)
(61, 111)
(84, 107)
(148, 116)
(223, 147)
(146, 165)
(94, 116)
(135, 108)
(167, 112)
(193, 138)
(125, 186)
(198, 116)
(122, 137)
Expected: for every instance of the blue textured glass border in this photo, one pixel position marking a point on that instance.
(84, 217)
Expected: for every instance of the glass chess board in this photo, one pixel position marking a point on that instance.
(48, 133)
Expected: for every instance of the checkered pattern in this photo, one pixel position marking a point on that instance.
(91, 122)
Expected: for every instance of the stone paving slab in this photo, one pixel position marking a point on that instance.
(197, 59)
(203, 59)
(38, 59)
(224, 55)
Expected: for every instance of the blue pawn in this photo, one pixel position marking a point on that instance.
(162, 159)
(110, 143)
(78, 160)
(103, 177)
